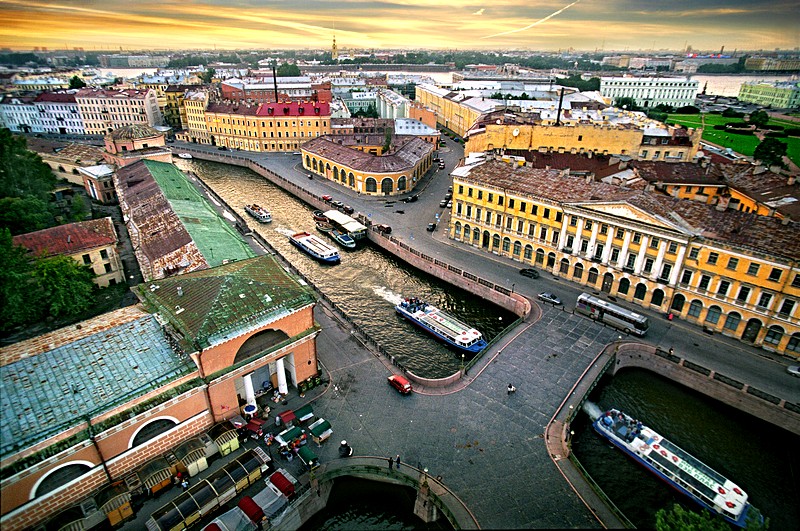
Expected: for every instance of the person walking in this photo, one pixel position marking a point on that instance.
(391, 462)
(511, 388)
(397, 462)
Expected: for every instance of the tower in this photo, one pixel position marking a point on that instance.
(334, 50)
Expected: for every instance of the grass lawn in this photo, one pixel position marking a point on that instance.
(744, 144)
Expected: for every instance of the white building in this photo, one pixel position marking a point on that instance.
(59, 113)
(651, 91)
(103, 110)
(20, 115)
(390, 104)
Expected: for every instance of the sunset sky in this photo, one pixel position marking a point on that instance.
(401, 24)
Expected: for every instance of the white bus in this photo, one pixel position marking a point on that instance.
(611, 314)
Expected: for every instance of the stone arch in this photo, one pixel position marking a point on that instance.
(387, 186)
(564, 266)
(577, 271)
(750, 333)
(260, 342)
(624, 286)
(528, 252)
(640, 291)
(677, 303)
(592, 278)
(151, 429)
(371, 185)
(60, 476)
(658, 297)
(401, 183)
(774, 335)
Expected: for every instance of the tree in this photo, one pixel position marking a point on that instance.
(288, 70)
(66, 285)
(25, 214)
(22, 172)
(759, 118)
(76, 83)
(208, 75)
(770, 151)
(19, 295)
(679, 519)
(626, 103)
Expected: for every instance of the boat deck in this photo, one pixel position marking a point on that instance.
(435, 319)
(315, 245)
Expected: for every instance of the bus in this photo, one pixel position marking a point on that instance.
(611, 314)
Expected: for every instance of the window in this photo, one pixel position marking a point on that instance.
(732, 321)
(620, 234)
(570, 241)
(588, 224)
(686, 278)
(534, 209)
(631, 261)
(603, 229)
(500, 200)
(584, 245)
(614, 254)
(705, 280)
(104, 254)
(488, 217)
(546, 214)
(665, 272)
(694, 252)
(509, 220)
(510, 203)
(87, 259)
(764, 300)
(775, 274)
(786, 307)
(461, 189)
(712, 258)
(654, 243)
(695, 308)
(637, 237)
(480, 194)
(774, 335)
(744, 294)
(648, 265)
(559, 215)
(519, 225)
(543, 233)
(469, 211)
(491, 197)
(712, 317)
(673, 248)
(469, 192)
(723, 288)
(107, 267)
(733, 263)
(752, 269)
(573, 221)
(522, 206)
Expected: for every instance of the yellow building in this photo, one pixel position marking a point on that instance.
(194, 108)
(453, 110)
(363, 167)
(732, 272)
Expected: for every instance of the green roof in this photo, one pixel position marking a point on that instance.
(220, 303)
(213, 235)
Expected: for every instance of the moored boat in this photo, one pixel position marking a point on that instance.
(324, 227)
(442, 325)
(315, 247)
(184, 155)
(679, 469)
(342, 238)
(318, 215)
(261, 214)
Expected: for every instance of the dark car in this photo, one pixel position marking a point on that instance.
(223, 148)
(443, 203)
(448, 196)
(401, 384)
(530, 273)
(431, 227)
(337, 204)
(348, 209)
(386, 229)
(411, 199)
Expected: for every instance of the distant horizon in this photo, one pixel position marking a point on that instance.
(503, 25)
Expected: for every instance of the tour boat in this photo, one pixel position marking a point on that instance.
(184, 155)
(342, 238)
(673, 465)
(260, 213)
(315, 247)
(444, 326)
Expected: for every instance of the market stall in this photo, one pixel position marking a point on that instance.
(225, 436)
(320, 431)
(191, 457)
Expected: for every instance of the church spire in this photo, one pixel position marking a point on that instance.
(334, 50)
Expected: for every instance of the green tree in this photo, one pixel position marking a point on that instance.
(626, 103)
(770, 151)
(387, 139)
(66, 285)
(76, 83)
(759, 118)
(25, 214)
(22, 172)
(208, 75)
(19, 294)
(288, 70)
(679, 519)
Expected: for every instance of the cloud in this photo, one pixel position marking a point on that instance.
(478, 12)
(529, 26)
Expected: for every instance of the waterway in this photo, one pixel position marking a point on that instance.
(759, 457)
(367, 284)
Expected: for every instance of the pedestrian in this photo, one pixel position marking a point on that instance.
(397, 461)
(391, 462)
(185, 484)
(511, 388)
(671, 351)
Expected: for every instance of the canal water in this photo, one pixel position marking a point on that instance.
(759, 457)
(367, 284)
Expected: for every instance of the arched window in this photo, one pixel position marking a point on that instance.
(387, 185)
(308, 159)
(517, 248)
(476, 235)
(495, 241)
(564, 267)
(712, 316)
(61, 476)
(314, 164)
(732, 321)
(658, 297)
(151, 430)
(677, 302)
(351, 180)
(624, 286)
(592, 278)
(372, 185)
(506, 244)
(794, 343)
(577, 271)
(551, 259)
(774, 335)
(695, 308)
(640, 292)
(401, 183)
(539, 256)
(528, 252)
(457, 229)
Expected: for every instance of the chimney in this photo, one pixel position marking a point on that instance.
(69, 238)
(791, 180)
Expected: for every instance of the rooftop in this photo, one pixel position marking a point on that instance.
(69, 239)
(408, 151)
(134, 132)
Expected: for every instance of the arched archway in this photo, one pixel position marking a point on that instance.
(351, 180)
(371, 184)
(564, 266)
(640, 292)
(551, 260)
(260, 342)
(336, 173)
(60, 476)
(577, 271)
(608, 281)
(751, 330)
(401, 183)
(387, 186)
(152, 429)
(677, 303)
(624, 286)
(486, 239)
(658, 297)
(314, 164)
(308, 161)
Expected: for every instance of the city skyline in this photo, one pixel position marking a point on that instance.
(375, 24)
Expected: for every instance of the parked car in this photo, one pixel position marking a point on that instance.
(794, 370)
(400, 383)
(327, 198)
(411, 199)
(431, 227)
(530, 273)
(223, 148)
(348, 209)
(449, 204)
(386, 229)
(337, 204)
(443, 203)
(546, 296)
(448, 195)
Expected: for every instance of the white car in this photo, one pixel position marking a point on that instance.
(546, 296)
(794, 370)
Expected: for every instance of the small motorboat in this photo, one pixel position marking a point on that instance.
(184, 155)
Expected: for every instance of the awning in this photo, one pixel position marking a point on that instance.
(251, 509)
(287, 417)
(308, 457)
(283, 484)
(305, 413)
(320, 427)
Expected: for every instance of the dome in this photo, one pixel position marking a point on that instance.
(134, 132)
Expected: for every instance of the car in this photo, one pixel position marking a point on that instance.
(448, 196)
(348, 209)
(431, 227)
(794, 370)
(402, 385)
(449, 204)
(443, 203)
(223, 148)
(337, 204)
(327, 198)
(386, 229)
(411, 199)
(449, 189)
(296, 153)
(546, 296)
(530, 273)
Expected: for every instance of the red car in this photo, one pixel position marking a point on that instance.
(327, 198)
(400, 383)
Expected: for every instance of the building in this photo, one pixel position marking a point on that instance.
(19, 114)
(775, 94)
(732, 272)
(454, 111)
(651, 91)
(608, 131)
(59, 113)
(196, 131)
(130, 143)
(66, 158)
(103, 110)
(174, 110)
(359, 162)
(99, 183)
(771, 64)
(390, 104)
(359, 100)
(91, 243)
(38, 84)
(262, 89)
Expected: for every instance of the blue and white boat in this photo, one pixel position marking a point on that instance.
(342, 238)
(314, 247)
(680, 470)
(260, 213)
(442, 325)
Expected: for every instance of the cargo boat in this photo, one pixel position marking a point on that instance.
(442, 325)
(314, 247)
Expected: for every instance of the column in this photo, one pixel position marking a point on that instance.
(608, 244)
(562, 237)
(579, 230)
(662, 249)
(676, 269)
(637, 269)
(623, 255)
(592, 240)
(249, 393)
(282, 387)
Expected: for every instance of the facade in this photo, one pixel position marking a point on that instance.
(130, 143)
(20, 115)
(174, 109)
(359, 163)
(38, 84)
(196, 131)
(390, 104)
(59, 113)
(103, 110)
(771, 64)
(608, 131)
(651, 91)
(99, 183)
(262, 89)
(92, 243)
(732, 272)
(454, 111)
(66, 158)
(775, 94)
(360, 100)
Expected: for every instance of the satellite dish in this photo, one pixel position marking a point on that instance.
(700, 154)
(515, 132)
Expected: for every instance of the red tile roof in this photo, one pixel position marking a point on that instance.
(56, 97)
(69, 239)
(294, 108)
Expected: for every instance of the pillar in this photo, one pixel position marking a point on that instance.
(281, 371)
(249, 393)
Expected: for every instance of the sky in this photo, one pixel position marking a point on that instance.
(549, 25)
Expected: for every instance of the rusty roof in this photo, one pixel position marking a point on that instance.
(682, 173)
(406, 153)
(69, 239)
